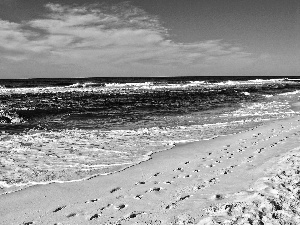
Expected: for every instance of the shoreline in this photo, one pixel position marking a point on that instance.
(170, 186)
(146, 158)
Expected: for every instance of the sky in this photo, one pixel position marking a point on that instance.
(105, 38)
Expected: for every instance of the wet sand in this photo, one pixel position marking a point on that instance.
(248, 178)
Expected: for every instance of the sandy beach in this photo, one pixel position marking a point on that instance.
(142, 112)
(246, 178)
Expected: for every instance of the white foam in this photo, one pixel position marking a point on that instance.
(83, 85)
(13, 117)
(109, 87)
(246, 93)
(268, 96)
(293, 79)
(291, 93)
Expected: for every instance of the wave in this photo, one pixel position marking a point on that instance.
(147, 86)
(254, 82)
(290, 93)
(85, 85)
(294, 79)
(195, 84)
(10, 118)
(246, 93)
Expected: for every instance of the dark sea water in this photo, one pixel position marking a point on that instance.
(70, 129)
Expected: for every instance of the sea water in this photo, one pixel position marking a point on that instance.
(60, 130)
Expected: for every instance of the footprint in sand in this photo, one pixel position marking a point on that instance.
(93, 200)
(59, 208)
(95, 216)
(115, 189)
(217, 197)
(139, 197)
(71, 215)
(135, 214)
(168, 182)
(175, 203)
(179, 169)
(256, 135)
(273, 145)
(140, 182)
(155, 189)
(225, 171)
(249, 159)
(260, 150)
(240, 150)
(106, 207)
(213, 180)
(121, 206)
(210, 165)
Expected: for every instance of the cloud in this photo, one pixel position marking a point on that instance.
(95, 36)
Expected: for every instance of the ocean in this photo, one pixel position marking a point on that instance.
(62, 130)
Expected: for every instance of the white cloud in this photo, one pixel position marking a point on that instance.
(101, 36)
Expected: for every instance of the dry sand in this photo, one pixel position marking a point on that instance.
(247, 178)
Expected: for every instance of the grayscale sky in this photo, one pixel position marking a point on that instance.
(91, 38)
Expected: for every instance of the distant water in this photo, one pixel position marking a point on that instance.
(71, 129)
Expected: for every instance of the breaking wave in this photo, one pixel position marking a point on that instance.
(9, 118)
(109, 87)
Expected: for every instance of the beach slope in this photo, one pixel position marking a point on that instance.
(248, 178)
